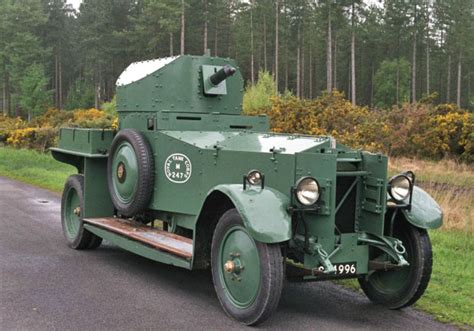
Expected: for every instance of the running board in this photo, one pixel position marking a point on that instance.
(158, 239)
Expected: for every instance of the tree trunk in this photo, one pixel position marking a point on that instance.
(310, 72)
(96, 95)
(335, 61)
(298, 63)
(427, 68)
(329, 53)
(5, 107)
(458, 88)
(171, 44)
(413, 71)
(60, 83)
(468, 86)
(7, 98)
(348, 87)
(397, 87)
(265, 42)
(448, 85)
(182, 27)
(277, 45)
(56, 80)
(205, 26)
(215, 39)
(413, 66)
(97, 88)
(4, 95)
(286, 50)
(353, 69)
(302, 66)
(372, 85)
(252, 61)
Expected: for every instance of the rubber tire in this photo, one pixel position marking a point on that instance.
(417, 241)
(146, 176)
(84, 238)
(271, 279)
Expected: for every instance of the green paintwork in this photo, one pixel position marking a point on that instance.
(85, 142)
(72, 220)
(372, 192)
(263, 211)
(126, 159)
(214, 122)
(97, 201)
(171, 103)
(425, 212)
(241, 286)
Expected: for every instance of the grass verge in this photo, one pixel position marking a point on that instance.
(440, 172)
(450, 294)
(34, 168)
(450, 183)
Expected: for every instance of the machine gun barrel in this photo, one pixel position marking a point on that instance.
(222, 74)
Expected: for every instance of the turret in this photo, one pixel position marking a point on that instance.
(188, 84)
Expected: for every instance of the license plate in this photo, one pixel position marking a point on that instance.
(349, 268)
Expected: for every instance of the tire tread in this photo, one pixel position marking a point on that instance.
(146, 175)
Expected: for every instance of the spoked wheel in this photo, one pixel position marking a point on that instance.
(248, 275)
(402, 287)
(72, 204)
(130, 175)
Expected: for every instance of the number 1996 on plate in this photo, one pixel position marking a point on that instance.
(349, 268)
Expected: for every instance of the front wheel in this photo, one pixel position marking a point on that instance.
(248, 275)
(402, 287)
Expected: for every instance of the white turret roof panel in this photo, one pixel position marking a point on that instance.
(139, 70)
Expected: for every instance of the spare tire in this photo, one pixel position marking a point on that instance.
(130, 172)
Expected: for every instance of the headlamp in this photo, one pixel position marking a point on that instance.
(307, 191)
(400, 187)
(254, 177)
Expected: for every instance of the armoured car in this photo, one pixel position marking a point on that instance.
(188, 180)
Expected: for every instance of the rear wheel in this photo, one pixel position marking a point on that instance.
(402, 287)
(247, 275)
(72, 205)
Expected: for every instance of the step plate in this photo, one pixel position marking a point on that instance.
(159, 239)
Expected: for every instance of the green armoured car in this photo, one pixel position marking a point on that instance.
(189, 181)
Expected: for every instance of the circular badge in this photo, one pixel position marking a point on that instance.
(178, 168)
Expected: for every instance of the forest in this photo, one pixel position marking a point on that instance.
(377, 53)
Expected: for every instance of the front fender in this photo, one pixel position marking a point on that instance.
(425, 212)
(263, 211)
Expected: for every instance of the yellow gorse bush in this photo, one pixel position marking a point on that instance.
(18, 136)
(421, 130)
(42, 132)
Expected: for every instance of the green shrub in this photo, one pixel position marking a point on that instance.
(110, 107)
(258, 97)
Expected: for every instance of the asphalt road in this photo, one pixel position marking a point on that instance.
(44, 285)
